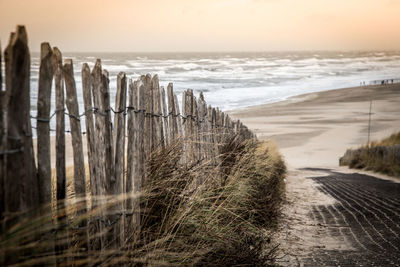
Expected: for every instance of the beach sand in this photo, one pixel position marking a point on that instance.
(313, 131)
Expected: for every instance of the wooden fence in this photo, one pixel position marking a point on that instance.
(145, 118)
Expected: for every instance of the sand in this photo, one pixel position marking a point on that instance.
(314, 130)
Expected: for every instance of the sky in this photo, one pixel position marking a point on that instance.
(204, 25)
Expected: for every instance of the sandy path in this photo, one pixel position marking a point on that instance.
(313, 131)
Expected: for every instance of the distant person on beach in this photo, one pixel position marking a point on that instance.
(383, 82)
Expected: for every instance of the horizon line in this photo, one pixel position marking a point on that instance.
(237, 51)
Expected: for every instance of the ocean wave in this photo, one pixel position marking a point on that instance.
(240, 79)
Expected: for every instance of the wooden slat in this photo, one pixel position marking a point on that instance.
(110, 167)
(165, 118)
(203, 128)
(2, 139)
(148, 128)
(185, 128)
(129, 227)
(1, 69)
(178, 119)
(110, 239)
(196, 137)
(76, 133)
(60, 125)
(20, 183)
(158, 131)
(119, 151)
(89, 123)
(98, 187)
(139, 153)
(172, 119)
(119, 132)
(60, 152)
(46, 72)
(79, 236)
(140, 156)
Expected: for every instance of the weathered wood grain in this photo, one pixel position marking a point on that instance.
(196, 136)
(20, 183)
(109, 183)
(60, 125)
(119, 152)
(79, 241)
(140, 151)
(148, 128)
(129, 227)
(178, 118)
(46, 73)
(98, 187)
(89, 123)
(166, 116)
(60, 246)
(76, 133)
(2, 139)
(158, 131)
(172, 119)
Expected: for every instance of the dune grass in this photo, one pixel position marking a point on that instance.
(380, 156)
(197, 214)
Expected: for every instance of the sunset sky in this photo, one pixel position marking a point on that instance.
(205, 25)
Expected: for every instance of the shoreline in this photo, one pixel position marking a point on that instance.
(315, 129)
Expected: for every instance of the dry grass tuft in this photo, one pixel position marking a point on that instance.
(381, 156)
(190, 215)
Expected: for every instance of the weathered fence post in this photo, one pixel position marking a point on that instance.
(20, 176)
(1, 68)
(173, 122)
(195, 138)
(20, 183)
(98, 185)
(2, 148)
(76, 133)
(185, 127)
(132, 106)
(178, 117)
(140, 152)
(88, 106)
(136, 156)
(61, 245)
(60, 125)
(110, 167)
(46, 73)
(119, 151)
(80, 236)
(203, 128)
(2, 142)
(165, 117)
(110, 181)
(158, 131)
(148, 128)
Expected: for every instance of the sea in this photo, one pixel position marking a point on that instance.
(237, 80)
